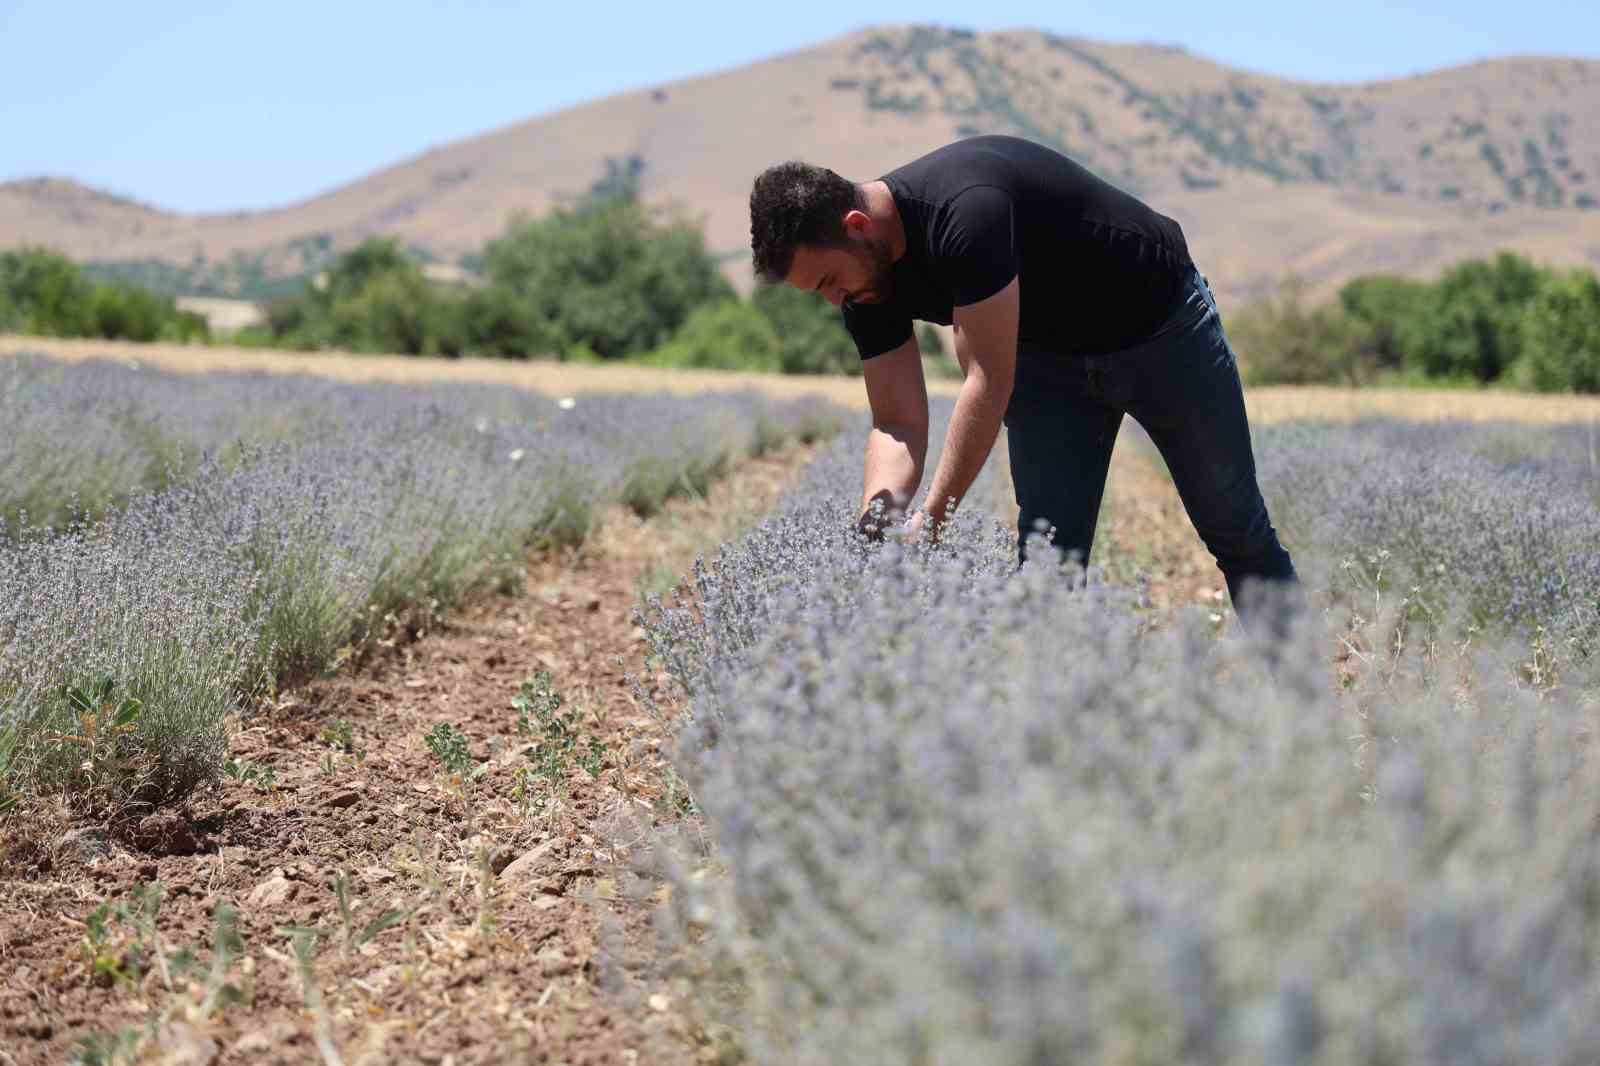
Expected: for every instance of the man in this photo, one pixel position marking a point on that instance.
(1073, 304)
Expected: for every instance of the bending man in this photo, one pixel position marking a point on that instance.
(1073, 304)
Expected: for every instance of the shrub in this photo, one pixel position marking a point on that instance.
(730, 335)
(45, 293)
(373, 298)
(50, 295)
(811, 333)
(1381, 302)
(606, 275)
(1282, 342)
(347, 510)
(1469, 323)
(968, 815)
(1560, 336)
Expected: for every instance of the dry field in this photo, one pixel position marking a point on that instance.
(1273, 404)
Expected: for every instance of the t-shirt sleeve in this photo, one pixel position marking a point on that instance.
(876, 328)
(973, 247)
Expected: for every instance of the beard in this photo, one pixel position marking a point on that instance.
(879, 261)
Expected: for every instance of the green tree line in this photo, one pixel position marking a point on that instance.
(44, 293)
(609, 279)
(1503, 321)
(605, 279)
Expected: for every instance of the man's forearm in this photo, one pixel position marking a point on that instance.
(893, 469)
(974, 425)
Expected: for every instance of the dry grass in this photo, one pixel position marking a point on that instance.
(1283, 403)
(551, 378)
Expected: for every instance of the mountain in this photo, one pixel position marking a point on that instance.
(1268, 176)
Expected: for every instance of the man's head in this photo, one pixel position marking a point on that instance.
(813, 229)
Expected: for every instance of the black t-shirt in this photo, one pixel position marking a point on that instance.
(1099, 270)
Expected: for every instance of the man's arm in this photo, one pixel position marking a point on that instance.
(986, 344)
(897, 445)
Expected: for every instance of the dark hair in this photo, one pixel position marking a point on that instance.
(792, 204)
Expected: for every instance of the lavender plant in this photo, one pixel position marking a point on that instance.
(973, 815)
(1504, 519)
(311, 514)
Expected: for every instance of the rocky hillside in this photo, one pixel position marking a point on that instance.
(1268, 176)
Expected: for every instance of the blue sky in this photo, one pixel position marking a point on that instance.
(225, 105)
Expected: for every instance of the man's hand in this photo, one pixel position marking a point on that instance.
(897, 444)
(879, 514)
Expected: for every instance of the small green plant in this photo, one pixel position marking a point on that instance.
(304, 941)
(354, 937)
(100, 722)
(242, 770)
(557, 746)
(110, 1049)
(526, 793)
(117, 940)
(226, 946)
(449, 746)
(102, 948)
(340, 735)
(120, 940)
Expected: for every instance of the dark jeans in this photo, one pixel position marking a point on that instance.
(1183, 387)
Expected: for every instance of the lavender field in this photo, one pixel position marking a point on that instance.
(174, 545)
(944, 811)
(966, 815)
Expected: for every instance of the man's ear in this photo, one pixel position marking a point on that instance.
(857, 221)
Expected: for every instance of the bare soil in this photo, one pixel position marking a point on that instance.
(501, 950)
(1146, 541)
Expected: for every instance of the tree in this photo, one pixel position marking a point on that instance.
(1561, 335)
(373, 298)
(606, 276)
(49, 294)
(1469, 323)
(1281, 342)
(44, 292)
(810, 332)
(1383, 302)
(730, 335)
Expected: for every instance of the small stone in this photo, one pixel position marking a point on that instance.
(342, 799)
(273, 891)
(527, 864)
(89, 844)
(659, 1002)
(264, 1039)
(184, 1045)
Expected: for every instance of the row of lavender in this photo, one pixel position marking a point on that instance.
(245, 529)
(974, 815)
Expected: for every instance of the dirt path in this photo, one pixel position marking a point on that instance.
(1145, 538)
(474, 923)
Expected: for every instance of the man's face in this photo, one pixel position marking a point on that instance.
(857, 273)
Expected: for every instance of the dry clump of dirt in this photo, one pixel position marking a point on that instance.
(462, 915)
